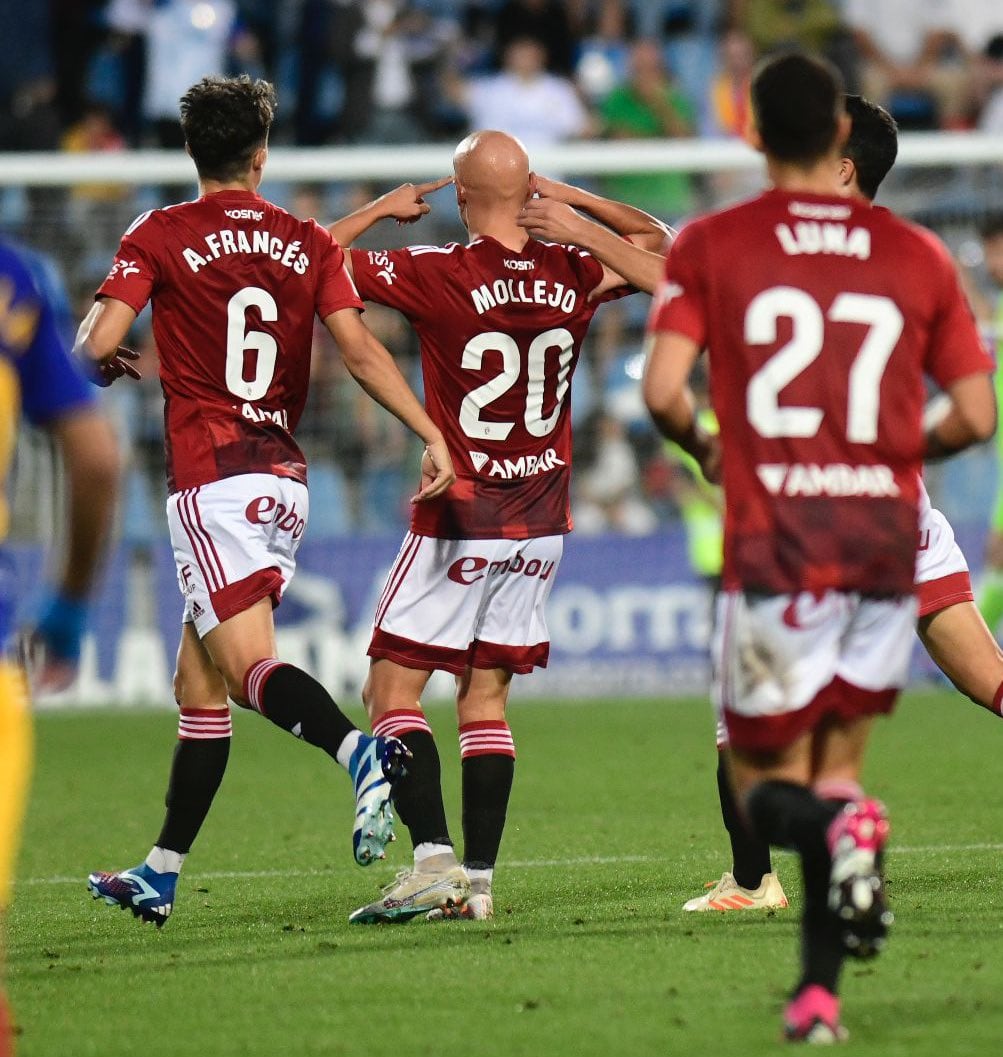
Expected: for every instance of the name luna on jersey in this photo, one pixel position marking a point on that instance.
(225, 242)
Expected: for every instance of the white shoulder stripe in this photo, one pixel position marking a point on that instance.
(417, 251)
(139, 220)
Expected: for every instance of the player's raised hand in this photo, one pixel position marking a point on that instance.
(437, 472)
(551, 220)
(406, 203)
(122, 363)
(547, 188)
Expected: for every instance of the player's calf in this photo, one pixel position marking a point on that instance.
(856, 839)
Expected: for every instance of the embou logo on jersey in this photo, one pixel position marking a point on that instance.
(469, 570)
(123, 269)
(524, 466)
(266, 510)
(835, 479)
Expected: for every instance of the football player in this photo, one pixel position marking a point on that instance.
(501, 322)
(39, 380)
(235, 283)
(950, 626)
(817, 347)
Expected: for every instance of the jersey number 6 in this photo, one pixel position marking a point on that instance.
(239, 340)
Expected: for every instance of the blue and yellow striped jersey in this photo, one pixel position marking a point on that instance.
(38, 379)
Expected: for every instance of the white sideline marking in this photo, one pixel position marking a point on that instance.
(519, 864)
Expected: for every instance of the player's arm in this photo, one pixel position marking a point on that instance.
(968, 417)
(98, 344)
(627, 241)
(92, 467)
(670, 401)
(374, 369)
(405, 204)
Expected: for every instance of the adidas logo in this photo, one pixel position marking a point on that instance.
(197, 610)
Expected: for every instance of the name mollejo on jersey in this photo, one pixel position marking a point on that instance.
(834, 479)
(523, 291)
(524, 466)
(225, 242)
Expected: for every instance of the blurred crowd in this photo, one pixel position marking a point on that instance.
(105, 75)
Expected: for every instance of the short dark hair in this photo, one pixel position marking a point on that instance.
(225, 120)
(797, 100)
(873, 143)
(991, 227)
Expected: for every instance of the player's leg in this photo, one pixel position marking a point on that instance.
(961, 645)
(511, 637)
(16, 751)
(424, 622)
(393, 699)
(950, 626)
(773, 657)
(991, 593)
(233, 565)
(197, 768)
(487, 755)
(750, 884)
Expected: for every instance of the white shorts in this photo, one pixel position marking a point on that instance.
(235, 542)
(942, 578)
(453, 604)
(783, 663)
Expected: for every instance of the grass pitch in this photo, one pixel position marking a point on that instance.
(613, 825)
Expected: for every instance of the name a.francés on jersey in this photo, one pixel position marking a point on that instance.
(228, 241)
(524, 466)
(523, 291)
(833, 480)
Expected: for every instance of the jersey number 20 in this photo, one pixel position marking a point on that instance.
(536, 369)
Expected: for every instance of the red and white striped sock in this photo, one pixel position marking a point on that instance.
(486, 737)
(400, 721)
(204, 724)
(255, 679)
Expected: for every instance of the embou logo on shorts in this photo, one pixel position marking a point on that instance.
(266, 510)
(469, 570)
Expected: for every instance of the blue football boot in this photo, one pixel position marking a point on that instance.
(376, 766)
(148, 894)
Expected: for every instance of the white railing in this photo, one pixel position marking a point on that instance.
(423, 161)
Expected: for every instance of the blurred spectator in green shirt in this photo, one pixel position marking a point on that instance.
(650, 106)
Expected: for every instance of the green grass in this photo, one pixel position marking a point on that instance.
(613, 825)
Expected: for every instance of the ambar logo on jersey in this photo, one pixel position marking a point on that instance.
(524, 466)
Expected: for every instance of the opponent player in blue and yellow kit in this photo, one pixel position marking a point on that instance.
(39, 380)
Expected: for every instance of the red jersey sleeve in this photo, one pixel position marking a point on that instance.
(394, 278)
(136, 270)
(335, 289)
(680, 302)
(955, 350)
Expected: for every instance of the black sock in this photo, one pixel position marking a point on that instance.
(750, 854)
(487, 783)
(418, 795)
(296, 702)
(196, 772)
(791, 816)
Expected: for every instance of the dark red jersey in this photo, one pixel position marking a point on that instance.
(821, 316)
(501, 332)
(235, 283)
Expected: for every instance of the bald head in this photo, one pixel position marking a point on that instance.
(491, 168)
